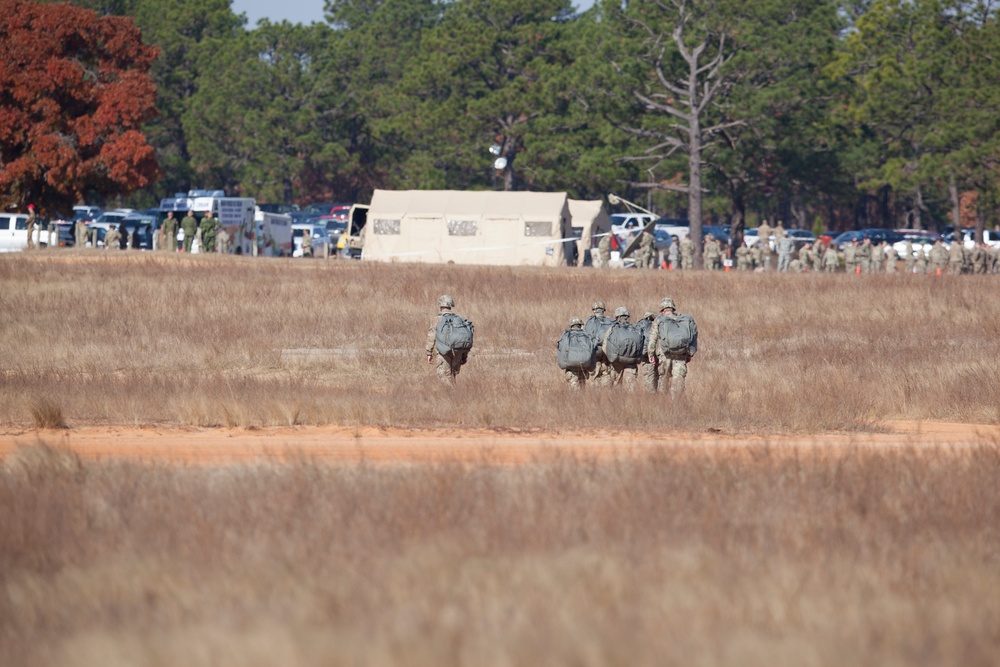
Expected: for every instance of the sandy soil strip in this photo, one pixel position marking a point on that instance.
(338, 443)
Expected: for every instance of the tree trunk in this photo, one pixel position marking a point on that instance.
(738, 220)
(694, 163)
(956, 204)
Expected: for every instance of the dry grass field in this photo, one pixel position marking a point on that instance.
(687, 554)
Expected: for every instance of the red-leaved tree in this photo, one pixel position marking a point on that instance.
(74, 92)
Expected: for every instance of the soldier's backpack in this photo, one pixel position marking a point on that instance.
(624, 343)
(597, 326)
(577, 351)
(453, 334)
(677, 333)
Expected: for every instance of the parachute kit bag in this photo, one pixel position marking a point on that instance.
(577, 351)
(597, 326)
(625, 344)
(677, 333)
(453, 334)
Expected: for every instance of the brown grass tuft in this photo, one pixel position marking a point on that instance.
(46, 414)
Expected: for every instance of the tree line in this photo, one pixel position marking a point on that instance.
(829, 114)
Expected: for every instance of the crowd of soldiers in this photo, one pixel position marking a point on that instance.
(211, 235)
(862, 257)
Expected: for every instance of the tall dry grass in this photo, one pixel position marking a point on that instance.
(687, 557)
(141, 339)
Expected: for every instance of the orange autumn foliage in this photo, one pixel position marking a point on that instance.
(75, 90)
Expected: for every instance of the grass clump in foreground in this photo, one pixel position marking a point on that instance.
(186, 340)
(691, 556)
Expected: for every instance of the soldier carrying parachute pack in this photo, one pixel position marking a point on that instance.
(597, 326)
(450, 339)
(576, 353)
(623, 347)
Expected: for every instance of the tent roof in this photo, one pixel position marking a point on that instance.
(454, 203)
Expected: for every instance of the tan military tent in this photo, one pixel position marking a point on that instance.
(592, 219)
(507, 228)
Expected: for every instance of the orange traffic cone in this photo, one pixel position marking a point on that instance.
(938, 271)
(857, 270)
(727, 268)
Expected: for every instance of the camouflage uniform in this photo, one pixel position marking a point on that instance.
(620, 370)
(112, 240)
(851, 257)
(307, 243)
(687, 253)
(222, 241)
(744, 262)
(980, 258)
(713, 254)
(785, 245)
(604, 251)
(764, 241)
(448, 365)
(920, 260)
(816, 256)
(673, 254)
(831, 260)
(650, 378)
(908, 257)
(865, 256)
(170, 232)
(878, 258)
(938, 257)
(576, 379)
(647, 251)
(190, 225)
(670, 366)
(890, 259)
(209, 227)
(956, 256)
(796, 266)
(757, 257)
(601, 374)
(804, 252)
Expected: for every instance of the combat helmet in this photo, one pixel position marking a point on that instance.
(667, 302)
(648, 315)
(621, 311)
(445, 301)
(598, 305)
(576, 321)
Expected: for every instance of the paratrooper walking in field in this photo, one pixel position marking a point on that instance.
(713, 253)
(673, 342)
(170, 232)
(597, 325)
(449, 341)
(622, 346)
(785, 246)
(687, 253)
(571, 351)
(209, 228)
(189, 225)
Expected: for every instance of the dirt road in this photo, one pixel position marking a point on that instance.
(337, 443)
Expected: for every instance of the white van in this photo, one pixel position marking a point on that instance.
(14, 232)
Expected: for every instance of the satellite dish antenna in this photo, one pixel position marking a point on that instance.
(495, 149)
(500, 163)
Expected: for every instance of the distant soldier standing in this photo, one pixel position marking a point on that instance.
(756, 257)
(804, 253)
(604, 250)
(744, 262)
(170, 232)
(764, 239)
(890, 259)
(307, 243)
(878, 258)
(938, 256)
(81, 234)
(816, 256)
(209, 227)
(647, 251)
(785, 246)
(713, 253)
(673, 342)
(956, 256)
(32, 219)
(674, 254)
(908, 257)
(189, 225)
(687, 253)
(831, 260)
(865, 256)
(222, 241)
(920, 260)
(779, 232)
(851, 256)
(112, 240)
(449, 360)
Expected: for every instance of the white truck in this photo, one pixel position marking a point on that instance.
(14, 233)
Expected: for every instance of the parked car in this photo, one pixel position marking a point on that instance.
(285, 209)
(992, 238)
(139, 228)
(919, 238)
(85, 213)
(875, 234)
(320, 239)
(624, 224)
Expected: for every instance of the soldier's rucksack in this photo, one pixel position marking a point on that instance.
(577, 351)
(677, 333)
(624, 343)
(597, 326)
(453, 334)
